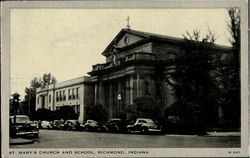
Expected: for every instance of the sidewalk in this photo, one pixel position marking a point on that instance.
(223, 134)
(19, 141)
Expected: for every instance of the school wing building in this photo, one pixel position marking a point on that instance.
(75, 93)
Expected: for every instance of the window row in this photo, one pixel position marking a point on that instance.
(72, 94)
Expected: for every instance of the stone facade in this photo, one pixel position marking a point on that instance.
(76, 93)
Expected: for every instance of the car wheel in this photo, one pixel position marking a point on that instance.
(144, 130)
(87, 128)
(117, 129)
(106, 129)
(36, 135)
(129, 130)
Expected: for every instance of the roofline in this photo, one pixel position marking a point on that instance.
(53, 86)
(157, 37)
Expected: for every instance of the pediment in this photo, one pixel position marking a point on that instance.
(123, 39)
(127, 39)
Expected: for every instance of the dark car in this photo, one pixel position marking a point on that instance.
(92, 125)
(116, 125)
(57, 124)
(23, 127)
(71, 125)
(145, 125)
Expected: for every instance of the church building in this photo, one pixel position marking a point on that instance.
(137, 65)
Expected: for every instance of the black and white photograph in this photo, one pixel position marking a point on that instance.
(123, 80)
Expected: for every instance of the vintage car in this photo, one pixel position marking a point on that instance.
(116, 125)
(22, 127)
(144, 125)
(92, 125)
(57, 124)
(71, 125)
(46, 125)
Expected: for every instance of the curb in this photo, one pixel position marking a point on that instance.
(20, 141)
(231, 134)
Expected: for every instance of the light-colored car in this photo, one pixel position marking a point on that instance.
(46, 125)
(144, 125)
(92, 125)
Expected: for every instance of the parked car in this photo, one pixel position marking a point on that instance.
(144, 125)
(92, 125)
(116, 125)
(46, 125)
(22, 127)
(57, 124)
(71, 125)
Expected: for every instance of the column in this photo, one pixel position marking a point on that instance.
(100, 96)
(127, 90)
(119, 92)
(131, 88)
(96, 88)
(138, 85)
(110, 100)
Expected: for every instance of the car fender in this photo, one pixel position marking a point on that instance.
(106, 129)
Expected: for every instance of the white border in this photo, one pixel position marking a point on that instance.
(153, 152)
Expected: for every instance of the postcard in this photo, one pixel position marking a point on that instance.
(124, 78)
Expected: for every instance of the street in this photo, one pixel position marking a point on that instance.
(77, 139)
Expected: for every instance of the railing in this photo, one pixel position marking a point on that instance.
(130, 57)
(140, 56)
(98, 67)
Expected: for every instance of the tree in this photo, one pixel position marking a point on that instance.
(66, 113)
(192, 83)
(30, 96)
(230, 72)
(44, 114)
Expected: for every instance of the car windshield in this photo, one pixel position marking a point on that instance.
(21, 119)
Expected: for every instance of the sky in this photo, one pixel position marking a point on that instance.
(67, 42)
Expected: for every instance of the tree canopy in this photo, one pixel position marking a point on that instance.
(192, 83)
(30, 92)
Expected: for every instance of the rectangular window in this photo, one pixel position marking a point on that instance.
(69, 94)
(37, 100)
(77, 91)
(73, 91)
